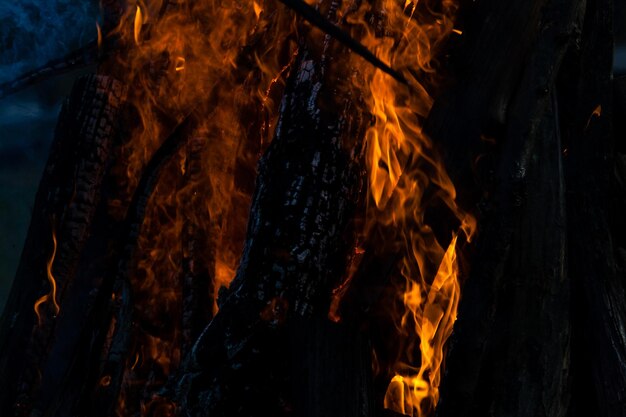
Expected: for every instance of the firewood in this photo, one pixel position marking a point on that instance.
(522, 106)
(598, 292)
(299, 237)
(65, 205)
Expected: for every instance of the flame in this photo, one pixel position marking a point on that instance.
(597, 112)
(99, 32)
(52, 295)
(227, 61)
(433, 319)
(257, 9)
(402, 166)
(180, 66)
(137, 25)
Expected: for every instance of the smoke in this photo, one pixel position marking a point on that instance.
(33, 32)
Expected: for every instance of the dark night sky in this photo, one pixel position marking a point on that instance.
(31, 33)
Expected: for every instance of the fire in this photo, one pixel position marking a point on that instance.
(99, 35)
(137, 25)
(433, 318)
(227, 61)
(597, 112)
(402, 167)
(257, 9)
(52, 295)
(179, 65)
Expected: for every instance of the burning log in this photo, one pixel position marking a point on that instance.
(299, 239)
(513, 280)
(68, 196)
(116, 345)
(135, 268)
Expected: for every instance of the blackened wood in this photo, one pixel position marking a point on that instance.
(317, 19)
(526, 369)
(601, 325)
(76, 59)
(68, 196)
(297, 246)
(106, 386)
(473, 383)
(198, 250)
(487, 63)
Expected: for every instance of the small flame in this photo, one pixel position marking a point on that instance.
(99, 30)
(257, 9)
(53, 285)
(597, 112)
(138, 24)
(180, 64)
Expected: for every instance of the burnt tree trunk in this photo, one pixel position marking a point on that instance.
(65, 205)
(271, 338)
(510, 352)
(599, 298)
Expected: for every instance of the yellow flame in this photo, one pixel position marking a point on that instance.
(433, 318)
(180, 65)
(53, 285)
(137, 25)
(402, 164)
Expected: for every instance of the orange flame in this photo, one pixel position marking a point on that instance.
(53, 285)
(227, 60)
(99, 32)
(433, 318)
(597, 112)
(402, 164)
(137, 25)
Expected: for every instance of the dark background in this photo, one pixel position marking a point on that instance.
(31, 33)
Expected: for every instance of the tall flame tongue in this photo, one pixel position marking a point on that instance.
(402, 166)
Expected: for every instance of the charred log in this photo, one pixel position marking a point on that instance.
(299, 239)
(518, 277)
(68, 197)
(599, 292)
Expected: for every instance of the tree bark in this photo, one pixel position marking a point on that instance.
(66, 203)
(514, 311)
(599, 292)
(271, 338)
